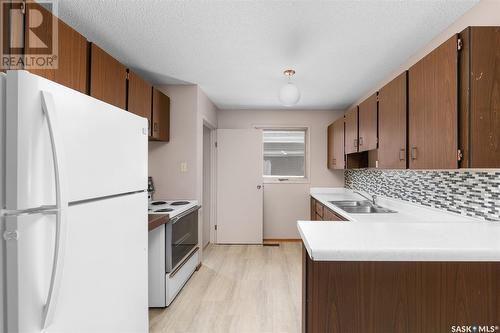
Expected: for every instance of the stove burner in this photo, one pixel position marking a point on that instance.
(179, 203)
(156, 203)
(163, 210)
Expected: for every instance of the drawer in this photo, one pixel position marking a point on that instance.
(313, 208)
(329, 215)
(319, 209)
(176, 279)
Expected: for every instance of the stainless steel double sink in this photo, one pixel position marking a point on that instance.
(361, 207)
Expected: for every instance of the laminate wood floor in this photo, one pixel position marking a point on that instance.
(239, 288)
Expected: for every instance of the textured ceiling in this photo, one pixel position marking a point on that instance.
(236, 50)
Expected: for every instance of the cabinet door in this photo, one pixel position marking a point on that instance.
(336, 144)
(12, 26)
(108, 78)
(338, 138)
(432, 109)
(368, 124)
(313, 209)
(392, 124)
(140, 97)
(331, 147)
(72, 51)
(351, 131)
(161, 116)
(484, 104)
(319, 209)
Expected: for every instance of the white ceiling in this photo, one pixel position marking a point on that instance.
(237, 50)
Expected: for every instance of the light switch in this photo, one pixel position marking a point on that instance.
(184, 167)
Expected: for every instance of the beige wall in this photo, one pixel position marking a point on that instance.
(284, 204)
(165, 158)
(189, 109)
(485, 13)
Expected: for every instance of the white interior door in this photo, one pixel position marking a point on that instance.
(239, 186)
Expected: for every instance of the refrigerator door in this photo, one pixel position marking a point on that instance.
(104, 147)
(2, 197)
(104, 276)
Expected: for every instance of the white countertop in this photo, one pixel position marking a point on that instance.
(414, 233)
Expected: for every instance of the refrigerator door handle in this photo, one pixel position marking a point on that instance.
(48, 107)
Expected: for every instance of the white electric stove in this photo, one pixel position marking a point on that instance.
(171, 207)
(173, 249)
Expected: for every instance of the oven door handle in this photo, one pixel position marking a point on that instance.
(174, 220)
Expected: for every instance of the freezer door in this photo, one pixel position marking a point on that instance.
(104, 148)
(103, 286)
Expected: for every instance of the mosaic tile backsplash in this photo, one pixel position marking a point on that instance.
(468, 192)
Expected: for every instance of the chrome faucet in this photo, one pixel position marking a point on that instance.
(373, 198)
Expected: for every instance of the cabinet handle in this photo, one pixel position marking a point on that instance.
(334, 161)
(361, 141)
(413, 153)
(402, 154)
(155, 127)
(355, 143)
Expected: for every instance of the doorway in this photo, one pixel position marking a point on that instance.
(207, 185)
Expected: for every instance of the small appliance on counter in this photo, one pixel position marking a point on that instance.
(173, 248)
(151, 189)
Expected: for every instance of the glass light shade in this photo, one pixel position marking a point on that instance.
(289, 94)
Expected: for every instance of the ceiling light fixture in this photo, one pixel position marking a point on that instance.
(289, 93)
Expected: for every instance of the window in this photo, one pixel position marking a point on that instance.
(284, 153)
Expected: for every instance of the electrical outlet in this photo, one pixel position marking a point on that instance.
(184, 167)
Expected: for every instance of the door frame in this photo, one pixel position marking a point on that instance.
(213, 180)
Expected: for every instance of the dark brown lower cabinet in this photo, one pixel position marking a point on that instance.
(398, 297)
(313, 209)
(319, 212)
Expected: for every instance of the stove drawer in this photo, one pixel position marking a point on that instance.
(175, 280)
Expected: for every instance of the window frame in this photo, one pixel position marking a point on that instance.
(288, 179)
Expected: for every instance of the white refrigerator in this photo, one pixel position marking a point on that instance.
(74, 211)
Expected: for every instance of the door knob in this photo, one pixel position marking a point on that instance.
(259, 187)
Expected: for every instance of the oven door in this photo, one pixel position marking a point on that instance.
(182, 237)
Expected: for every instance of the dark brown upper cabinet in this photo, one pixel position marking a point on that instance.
(108, 78)
(72, 51)
(392, 115)
(336, 144)
(479, 115)
(368, 124)
(140, 97)
(160, 130)
(432, 109)
(351, 131)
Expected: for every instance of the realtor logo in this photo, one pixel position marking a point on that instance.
(29, 34)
